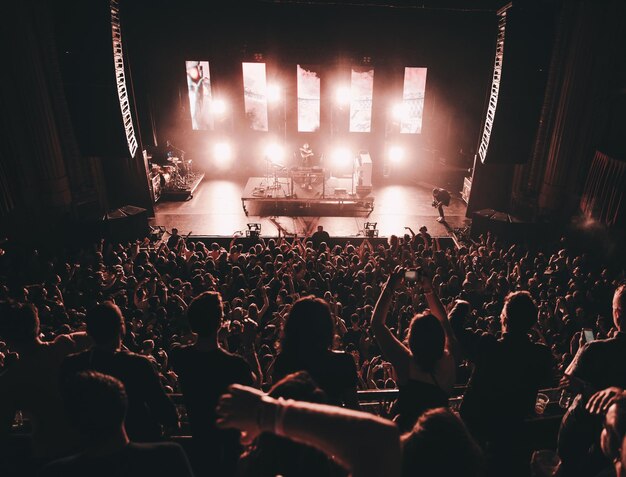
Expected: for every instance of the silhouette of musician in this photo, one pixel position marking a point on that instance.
(441, 198)
(306, 153)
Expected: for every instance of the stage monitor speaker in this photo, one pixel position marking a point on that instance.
(513, 118)
(126, 224)
(364, 172)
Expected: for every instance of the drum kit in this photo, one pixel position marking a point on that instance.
(177, 173)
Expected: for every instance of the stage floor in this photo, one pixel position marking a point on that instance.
(216, 209)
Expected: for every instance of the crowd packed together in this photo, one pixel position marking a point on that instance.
(268, 346)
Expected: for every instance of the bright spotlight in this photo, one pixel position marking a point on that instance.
(396, 154)
(222, 153)
(343, 95)
(273, 93)
(219, 106)
(341, 157)
(274, 152)
(400, 112)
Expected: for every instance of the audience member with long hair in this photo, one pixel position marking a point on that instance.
(425, 369)
(306, 346)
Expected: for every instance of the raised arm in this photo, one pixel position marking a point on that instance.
(437, 309)
(175, 297)
(266, 302)
(366, 445)
(393, 350)
(140, 303)
(233, 241)
(249, 353)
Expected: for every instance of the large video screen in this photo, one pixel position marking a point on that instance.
(308, 99)
(413, 100)
(362, 92)
(199, 89)
(255, 95)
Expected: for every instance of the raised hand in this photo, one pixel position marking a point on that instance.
(395, 277)
(249, 331)
(427, 283)
(600, 402)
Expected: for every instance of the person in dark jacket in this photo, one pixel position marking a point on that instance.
(96, 404)
(149, 407)
(503, 387)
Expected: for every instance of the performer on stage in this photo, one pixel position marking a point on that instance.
(306, 153)
(441, 197)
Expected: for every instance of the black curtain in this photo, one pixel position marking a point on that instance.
(603, 198)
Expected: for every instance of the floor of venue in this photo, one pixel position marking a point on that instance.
(216, 209)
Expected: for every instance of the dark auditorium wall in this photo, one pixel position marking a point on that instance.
(51, 182)
(583, 109)
(38, 149)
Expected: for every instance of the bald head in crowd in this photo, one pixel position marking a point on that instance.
(619, 307)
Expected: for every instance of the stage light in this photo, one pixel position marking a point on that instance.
(341, 157)
(400, 112)
(218, 107)
(274, 152)
(396, 154)
(273, 93)
(222, 153)
(343, 95)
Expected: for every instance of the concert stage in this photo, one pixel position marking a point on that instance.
(216, 210)
(307, 194)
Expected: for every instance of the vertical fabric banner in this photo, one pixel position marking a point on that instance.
(413, 100)
(308, 99)
(255, 95)
(199, 89)
(362, 92)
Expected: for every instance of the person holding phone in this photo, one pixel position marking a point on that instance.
(426, 367)
(598, 365)
(588, 335)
